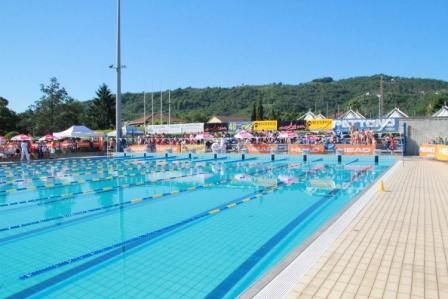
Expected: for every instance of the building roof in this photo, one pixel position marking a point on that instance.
(308, 116)
(396, 113)
(350, 114)
(227, 119)
(442, 112)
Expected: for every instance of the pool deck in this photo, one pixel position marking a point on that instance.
(396, 247)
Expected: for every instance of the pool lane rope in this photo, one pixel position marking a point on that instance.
(100, 169)
(68, 195)
(126, 203)
(133, 242)
(141, 171)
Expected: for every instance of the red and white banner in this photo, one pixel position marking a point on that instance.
(261, 148)
(313, 149)
(162, 148)
(356, 149)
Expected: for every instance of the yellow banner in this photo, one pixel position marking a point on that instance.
(194, 148)
(265, 125)
(320, 124)
(442, 152)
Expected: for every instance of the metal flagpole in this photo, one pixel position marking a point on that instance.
(161, 107)
(118, 98)
(152, 108)
(144, 112)
(169, 107)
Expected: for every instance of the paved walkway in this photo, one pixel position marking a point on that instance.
(397, 247)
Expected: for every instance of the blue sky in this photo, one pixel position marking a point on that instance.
(199, 43)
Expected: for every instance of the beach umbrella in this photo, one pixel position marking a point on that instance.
(204, 136)
(287, 134)
(48, 137)
(21, 137)
(244, 135)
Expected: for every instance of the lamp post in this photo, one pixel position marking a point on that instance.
(118, 97)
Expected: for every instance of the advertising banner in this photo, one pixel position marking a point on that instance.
(356, 149)
(427, 150)
(314, 149)
(162, 148)
(292, 125)
(193, 148)
(175, 128)
(137, 148)
(265, 125)
(320, 124)
(442, 152)
(261, 148)
(376, 124)
(221, 127)
(240, 125)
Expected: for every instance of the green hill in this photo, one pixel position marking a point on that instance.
(414, 96)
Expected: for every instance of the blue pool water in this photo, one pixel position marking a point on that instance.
(156, 227)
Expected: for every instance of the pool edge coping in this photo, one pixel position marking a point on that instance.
(281, 280)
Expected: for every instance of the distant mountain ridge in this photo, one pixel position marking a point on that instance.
(287, 101)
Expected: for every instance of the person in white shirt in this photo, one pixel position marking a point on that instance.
(24, 151)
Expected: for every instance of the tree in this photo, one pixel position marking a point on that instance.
(101, 111)
(253, 116)
(437, 101)
(55, 111)
(8, 118)
(354, 104)
(260, 111)
(272, 113)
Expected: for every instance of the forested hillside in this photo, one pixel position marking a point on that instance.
(414, 96)
(57, 110)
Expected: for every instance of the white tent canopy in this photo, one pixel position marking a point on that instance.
(76, 132)
(320, 116)
(396, 113)
(442, 112)
(126, 131)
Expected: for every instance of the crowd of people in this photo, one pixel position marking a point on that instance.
(26, 150)
(440, 140)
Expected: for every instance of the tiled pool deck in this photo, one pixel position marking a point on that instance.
(397, 247)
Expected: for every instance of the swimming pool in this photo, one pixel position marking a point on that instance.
(156, 226)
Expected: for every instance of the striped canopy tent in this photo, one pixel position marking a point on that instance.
(48, 137)
(204, 136)
(21, 137)
(244, 135)
(287, 134)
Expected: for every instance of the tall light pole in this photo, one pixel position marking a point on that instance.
(161, 107)
(169, 107)
(381, 99)
(118, 97)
